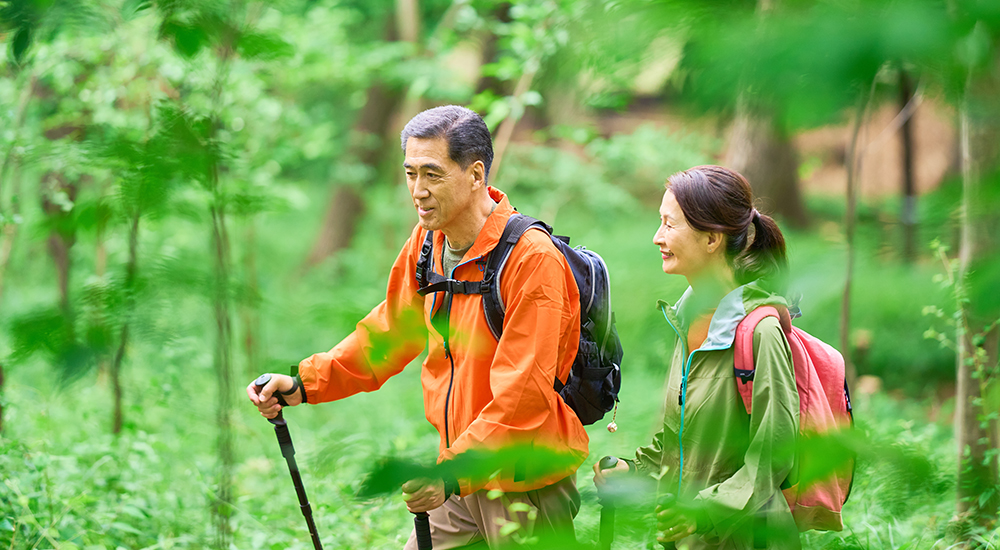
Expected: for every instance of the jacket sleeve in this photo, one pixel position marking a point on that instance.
(384, 342)
(648, 459)
(755, 489)
(524, 408)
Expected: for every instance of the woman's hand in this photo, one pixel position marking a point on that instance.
(674, 523)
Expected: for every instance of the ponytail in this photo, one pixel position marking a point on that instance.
(765, 257)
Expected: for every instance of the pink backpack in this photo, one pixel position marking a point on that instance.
(824, 407)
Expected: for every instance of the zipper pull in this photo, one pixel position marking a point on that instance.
(680, 399)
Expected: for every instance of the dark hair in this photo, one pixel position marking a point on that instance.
(720, 200)
(468, 137)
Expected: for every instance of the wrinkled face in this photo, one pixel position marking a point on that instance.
(442, 191)
(685, 250)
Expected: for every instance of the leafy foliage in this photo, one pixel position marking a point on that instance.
(154, 113)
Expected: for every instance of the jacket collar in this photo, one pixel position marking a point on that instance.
(731, 310)
(490, 234)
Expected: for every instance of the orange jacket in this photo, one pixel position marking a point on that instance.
(501, 393)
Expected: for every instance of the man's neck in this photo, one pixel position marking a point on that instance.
(462, 236)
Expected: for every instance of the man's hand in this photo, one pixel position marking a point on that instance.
(423, 495)
(674, 523)
(266, 402)
(601, 476)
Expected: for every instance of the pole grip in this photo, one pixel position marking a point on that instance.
(607, 530)
(422, 526)
(258, 386)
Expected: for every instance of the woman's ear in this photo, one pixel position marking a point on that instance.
(715, 241)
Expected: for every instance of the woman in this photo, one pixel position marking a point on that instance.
(722, 467)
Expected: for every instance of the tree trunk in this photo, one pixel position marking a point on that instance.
(250, 312)
(223, 370)
(908, 212)
(489, 53)
(976, 340)
(370, 146)
(131, 269)
(765, 155)
(57, 188)
(853, 171)
(1, 398)
(10, 229)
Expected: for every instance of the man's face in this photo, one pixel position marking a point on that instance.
(442, 191)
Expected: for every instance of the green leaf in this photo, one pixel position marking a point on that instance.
(509, 528)
(132, 8)
(519, 507)
(20, 44)
(263, 46)
(187, 40)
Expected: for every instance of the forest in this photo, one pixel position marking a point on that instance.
(196, 192)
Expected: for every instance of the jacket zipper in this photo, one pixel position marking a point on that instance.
(447, 349)
(682, 395)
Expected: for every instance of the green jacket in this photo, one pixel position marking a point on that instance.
(733, 463)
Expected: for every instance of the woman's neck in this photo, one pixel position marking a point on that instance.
(709, 287)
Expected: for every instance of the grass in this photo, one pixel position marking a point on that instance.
(68, 484)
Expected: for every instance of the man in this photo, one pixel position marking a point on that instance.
(479, 393)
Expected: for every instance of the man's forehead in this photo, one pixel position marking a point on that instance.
(426, 148)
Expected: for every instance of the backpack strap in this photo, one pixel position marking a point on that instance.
(424, 262)
(743, 366)
(430, 281)
(493, 306)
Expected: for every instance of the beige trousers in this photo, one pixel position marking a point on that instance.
(475, 521)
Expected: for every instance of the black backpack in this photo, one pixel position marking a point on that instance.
(595, 379)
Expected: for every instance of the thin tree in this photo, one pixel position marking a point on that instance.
(908, 212)
(370, 144)
(977, 333)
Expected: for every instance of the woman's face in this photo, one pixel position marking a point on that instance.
(685, 250)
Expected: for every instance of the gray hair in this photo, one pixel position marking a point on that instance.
(468, 137)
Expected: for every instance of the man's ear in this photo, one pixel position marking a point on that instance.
(478, 174)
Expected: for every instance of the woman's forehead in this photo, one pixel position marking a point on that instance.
(669, 208)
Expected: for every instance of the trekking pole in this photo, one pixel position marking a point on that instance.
(422, 525)
(607, 507)
(288, 451)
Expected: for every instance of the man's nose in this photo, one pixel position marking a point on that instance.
(419, 188)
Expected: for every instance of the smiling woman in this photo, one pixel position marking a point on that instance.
(719, 469)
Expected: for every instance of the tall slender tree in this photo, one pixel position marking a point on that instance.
(978, 336)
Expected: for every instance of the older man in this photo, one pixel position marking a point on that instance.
(480, 393)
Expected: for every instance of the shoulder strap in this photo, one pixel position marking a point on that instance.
(426, 257)
(493, 306)
(429, 281)
(743, 351)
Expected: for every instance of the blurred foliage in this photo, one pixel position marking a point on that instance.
(132, 107)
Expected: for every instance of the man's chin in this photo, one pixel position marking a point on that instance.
(427, 225)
